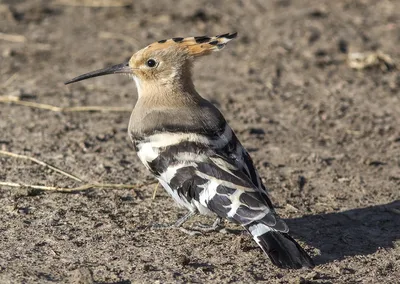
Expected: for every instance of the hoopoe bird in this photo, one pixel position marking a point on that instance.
(185, 141)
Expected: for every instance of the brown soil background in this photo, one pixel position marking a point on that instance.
(283, 85)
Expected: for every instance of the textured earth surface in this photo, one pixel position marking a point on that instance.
(325, 138)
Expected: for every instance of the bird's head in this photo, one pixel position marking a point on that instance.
(165, 61)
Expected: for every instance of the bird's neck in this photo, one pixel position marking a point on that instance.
(168, 93)
(175, 107)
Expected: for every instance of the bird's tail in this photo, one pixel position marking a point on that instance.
(281, 248)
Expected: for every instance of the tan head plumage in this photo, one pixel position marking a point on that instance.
(165, 60)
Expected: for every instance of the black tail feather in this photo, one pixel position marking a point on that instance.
(284, 251)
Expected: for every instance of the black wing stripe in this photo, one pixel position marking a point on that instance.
(245, 215)
(187, 183)
(170, 145)
(250, 168)
(220, 204)
(169, 156)
(216, 172)
(235, 152)
(251, 199)
(223, 190)
(180, 127)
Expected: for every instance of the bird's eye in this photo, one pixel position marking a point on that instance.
(151, 63)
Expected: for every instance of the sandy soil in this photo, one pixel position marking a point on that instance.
(325, 138)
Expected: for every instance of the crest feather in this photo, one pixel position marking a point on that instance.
(195, 46)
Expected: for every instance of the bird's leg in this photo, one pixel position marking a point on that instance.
(195, 230)
(207, 228)
(183, 219)
(178, 224)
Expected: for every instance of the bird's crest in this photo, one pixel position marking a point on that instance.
(194, 46)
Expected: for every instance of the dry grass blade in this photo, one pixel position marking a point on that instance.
(96, 108)
(63, 189)
(94, 3)
(9, 80)
(154, 192)
(10, 154)
(12, 37)
(17, 101)
(73, 189)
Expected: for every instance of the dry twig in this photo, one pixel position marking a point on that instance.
(10, 154)
(95, 3)
(73, 189)
(12, 37)
(18, 101)
(9, 80)
(155, 192)
(63, 189)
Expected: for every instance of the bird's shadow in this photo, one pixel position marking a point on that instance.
(354, 232)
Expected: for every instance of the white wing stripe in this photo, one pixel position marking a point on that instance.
(166, 139)
(224, 182)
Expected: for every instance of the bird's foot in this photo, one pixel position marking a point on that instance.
(216, 226)
(178, 225)
(157, 226)
(198, 229)
(189, 232)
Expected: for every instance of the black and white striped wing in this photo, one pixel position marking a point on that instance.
(225, 190)
(210, 175)
(235, 152)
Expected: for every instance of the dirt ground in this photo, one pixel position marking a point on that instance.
(325, 138)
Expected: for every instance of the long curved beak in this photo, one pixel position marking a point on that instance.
(122, 68)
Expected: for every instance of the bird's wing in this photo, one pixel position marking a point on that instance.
(210, 174)
(240, 157)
